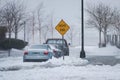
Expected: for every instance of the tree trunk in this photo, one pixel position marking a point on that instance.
(100, 39)
(116, 40)
(9, 34)
(33, 34)
(52, 32)
(40, 35)
(119, 40)
(16, 32)
(105, 41)
(9, 42)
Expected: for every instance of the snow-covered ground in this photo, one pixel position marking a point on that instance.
(72, 68)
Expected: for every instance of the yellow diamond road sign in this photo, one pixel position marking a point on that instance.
(62, 27)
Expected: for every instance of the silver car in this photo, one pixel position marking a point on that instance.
(38, 53)
(61, 44)
(56, 52)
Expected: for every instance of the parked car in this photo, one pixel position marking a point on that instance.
(38, 53)
(56, 52)
(60, 43)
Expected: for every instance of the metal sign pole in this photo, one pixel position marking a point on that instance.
(62, 46)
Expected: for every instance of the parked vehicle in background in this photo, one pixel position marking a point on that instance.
(60, 44)
(38, 53)
(56, 52)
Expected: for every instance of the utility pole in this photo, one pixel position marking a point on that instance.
(82, 53)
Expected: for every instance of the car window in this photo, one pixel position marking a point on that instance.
(38, 47)
(56, 42)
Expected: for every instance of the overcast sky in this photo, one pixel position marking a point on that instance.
(69, 10)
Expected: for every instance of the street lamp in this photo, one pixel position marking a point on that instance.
(82, 53)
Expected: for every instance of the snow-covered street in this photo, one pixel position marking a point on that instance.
(72, 68)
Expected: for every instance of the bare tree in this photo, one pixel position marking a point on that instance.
(29, 26)
(51, 28)
(12, 15)
(100, 17)
(116, 26)
(1, 6)
(71, 34)
(45, 31)
(116, 20)
(18, 11)
(47, 27)
(7, 16)
(39, 16)
(33, 26)
(0, 17)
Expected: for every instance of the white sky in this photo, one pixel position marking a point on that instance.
(69, 10)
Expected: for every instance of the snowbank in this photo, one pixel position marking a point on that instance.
(70, 61)
(13, 63)
(71, 68)
(104, 51)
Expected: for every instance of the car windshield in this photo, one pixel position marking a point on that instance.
(56, 41)
(38, 47)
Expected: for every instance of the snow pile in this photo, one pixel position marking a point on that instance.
(68, 61)
(109, 50)
(13, 53)
(71, 68)
(104, 51)
(88, 72)
(17, 64)
(16, 52)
